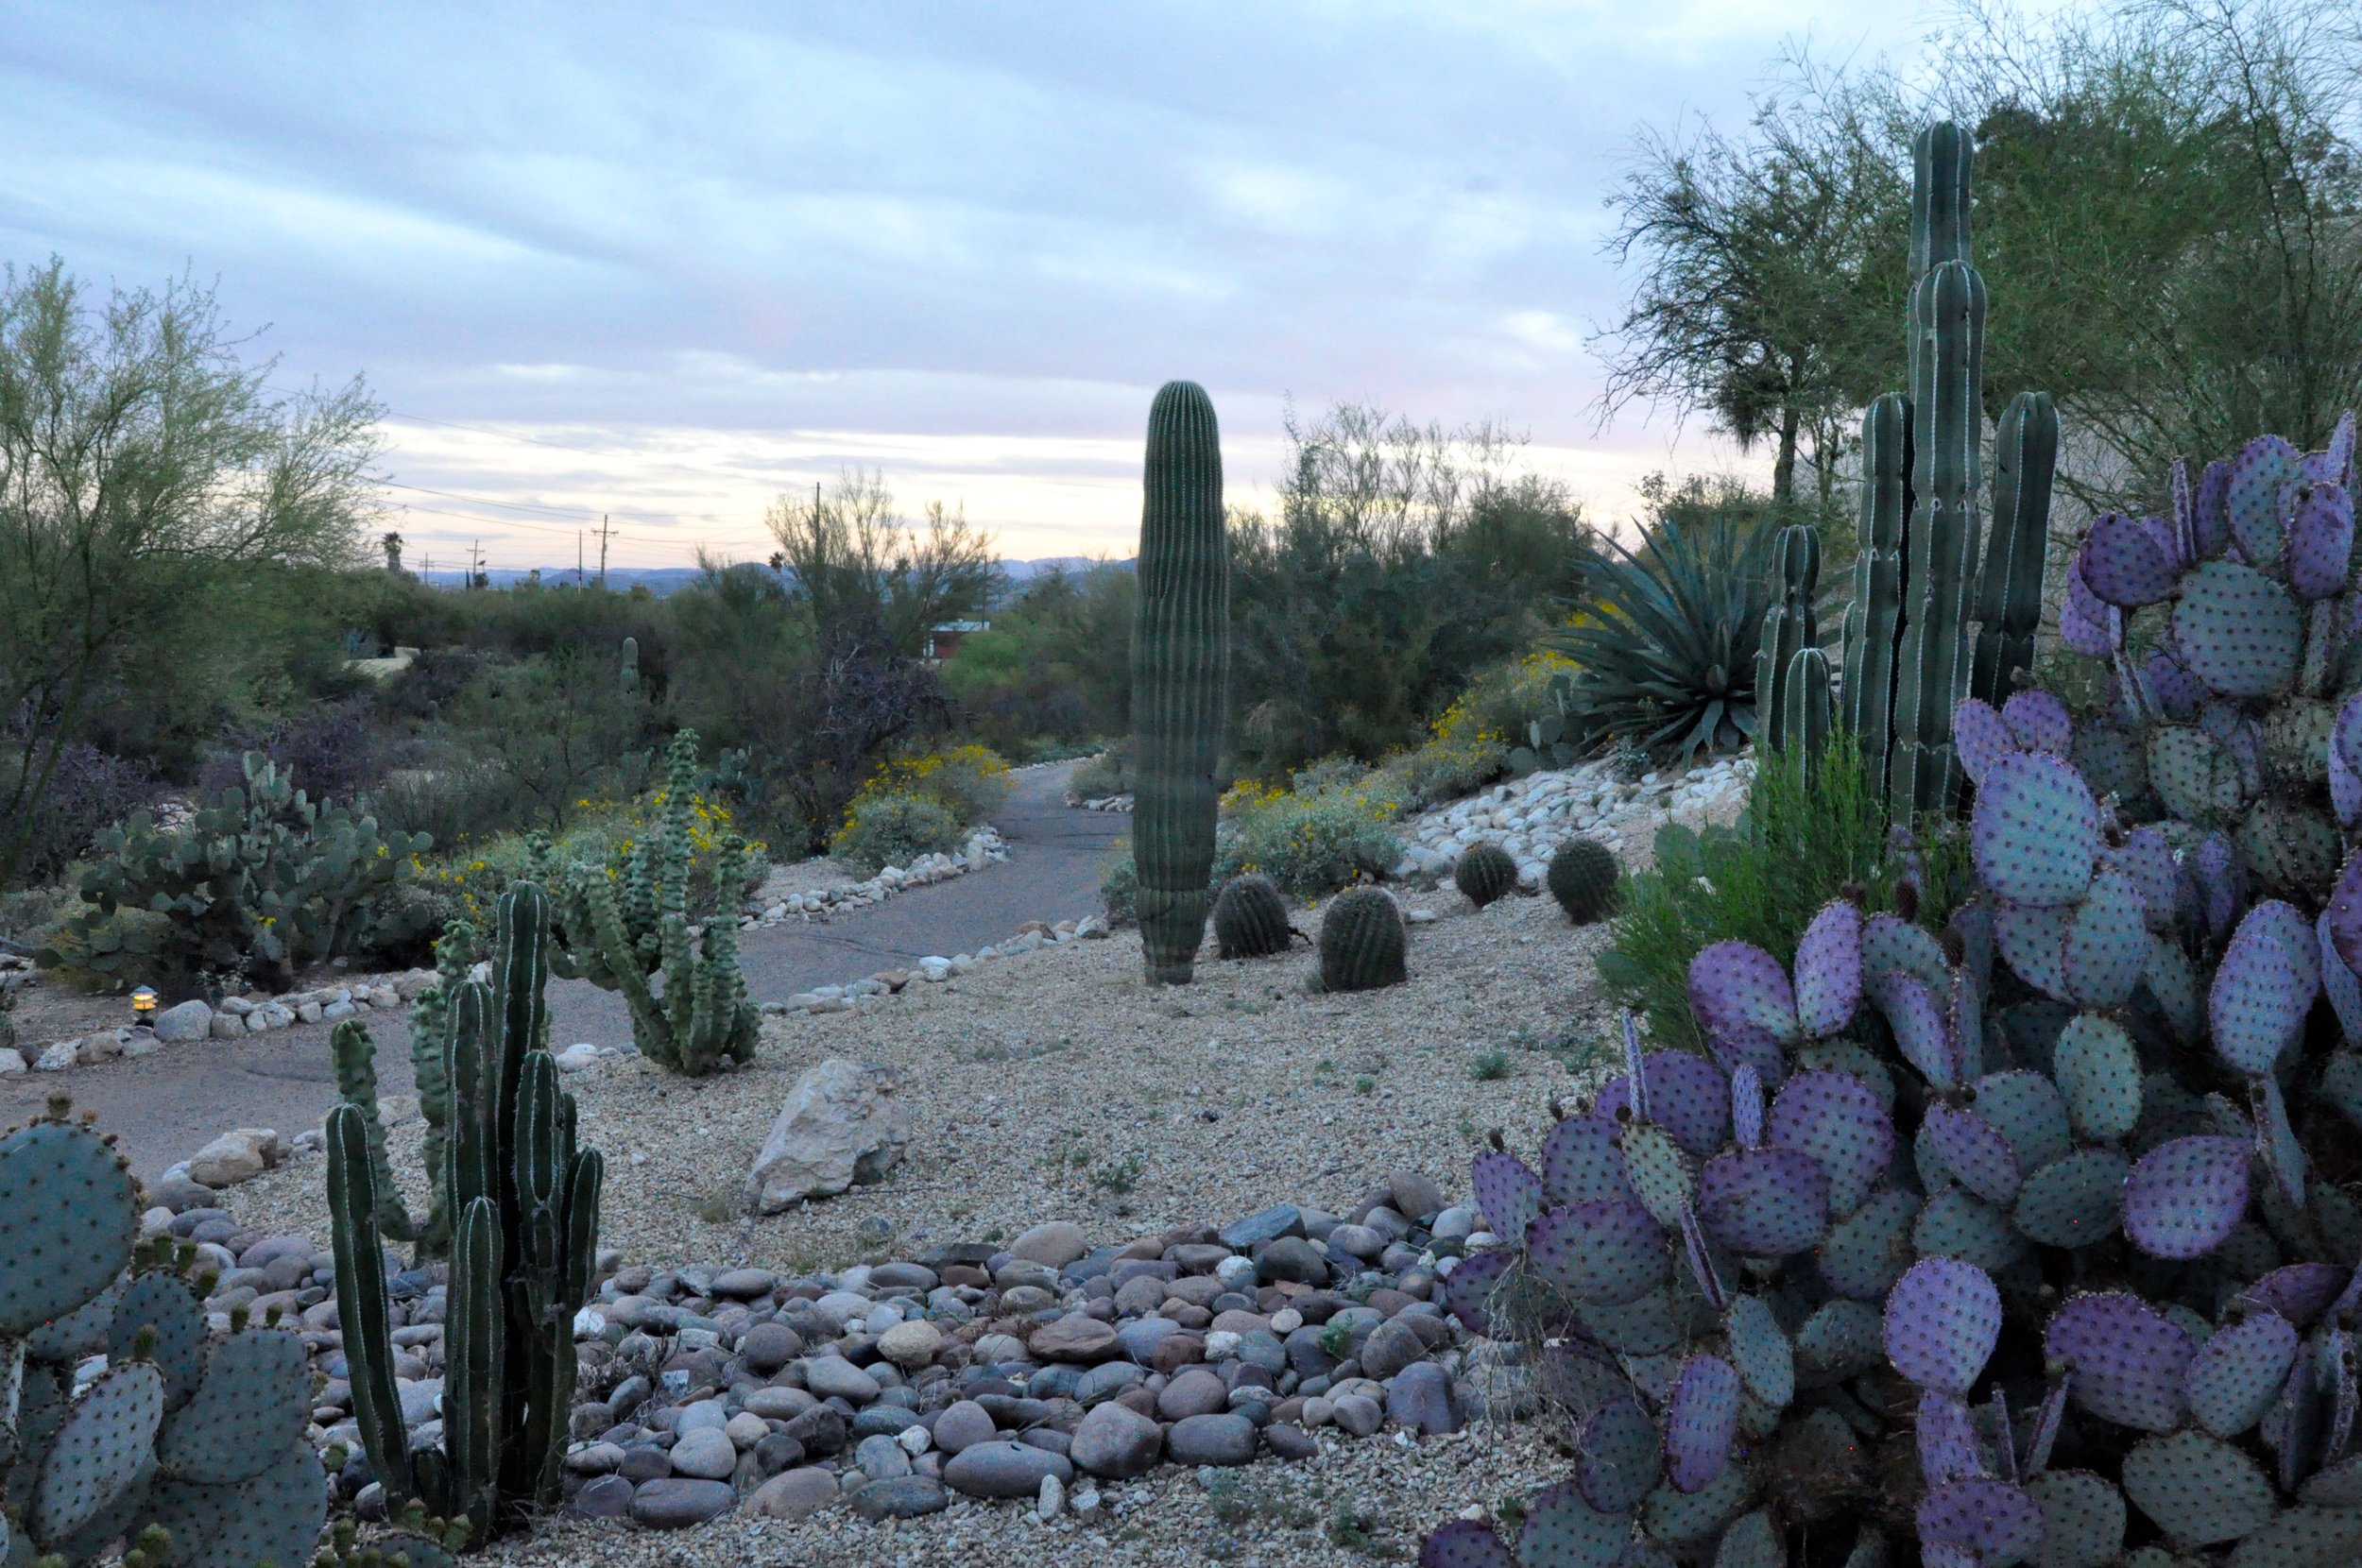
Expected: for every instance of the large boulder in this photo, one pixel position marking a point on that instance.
(179, 1026)
(839, 1126)
(238, 1155)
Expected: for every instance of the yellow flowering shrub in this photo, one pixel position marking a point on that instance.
(1314, 841)
(969, 781)
(470, 881)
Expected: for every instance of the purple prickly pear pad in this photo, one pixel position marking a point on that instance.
(1634, 1069)
(1980, 736)
(2183, 1198)
(1975, 1151)
(1920, 1031)
(1993, 1519)
(1603, 1252)
(1468, 1289)
(1836, 1119)
(1742, 999)
(2264, 987)
(2236, 1375)
(2210, 510)
(1747, 1107)
(1688, 1096)
(1948, 1447)
(2299, 1292)
(2147, 859)
(2040, 721)
(1700, 1421)
(1829, 969)
(2128, 1362)
(1943, 1319)
(1764, 1203)
(2320, 541)
(2088, 624)
(1581, 1163)
(2179, 694)
(1621, 1455)
(2345, 915)
(2345, 763)
(2124, 564)
(1465, 1543)
(2035, 833)
(1507, 1193)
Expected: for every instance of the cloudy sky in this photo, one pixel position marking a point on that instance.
(665, 262)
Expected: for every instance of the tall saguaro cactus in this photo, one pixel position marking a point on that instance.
(1180, 677)
(1927, 628)
(525, 1205)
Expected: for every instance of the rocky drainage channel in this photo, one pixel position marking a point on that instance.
(1044, 1371)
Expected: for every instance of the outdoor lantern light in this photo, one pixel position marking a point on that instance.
(143, 1005)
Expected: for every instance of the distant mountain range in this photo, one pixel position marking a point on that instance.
(661, 580)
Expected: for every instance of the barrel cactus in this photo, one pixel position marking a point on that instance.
(2029, 1240)
(1583, 879)
(524, 1202)
(1363, 941)
(1250, 918)
(131, 1419)
(1180, 677)
(1485, 872)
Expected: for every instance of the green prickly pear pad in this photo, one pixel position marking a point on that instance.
(107, 1438)
(66, 1339)
(68, 1218)
(254, 1401)
(275, 1517)
(159, 1300)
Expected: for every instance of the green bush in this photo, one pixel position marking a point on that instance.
(1309, 844)
(894, 829)
(1797, 845)
(1107, 773)
(1120, 891)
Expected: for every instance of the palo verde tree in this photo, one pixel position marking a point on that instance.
(142, 460)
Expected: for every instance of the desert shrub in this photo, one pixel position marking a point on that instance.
(334, 748)
(1798, 845)
(816, 736)
(969, 781)
(1053, 665)
(893, 828)
(1119, 890)
(433, 678)
(1309, 844)
(456, 799)
(89, 790)
(1107, 773)
(559, 729)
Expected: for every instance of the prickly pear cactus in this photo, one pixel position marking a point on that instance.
(1485, 872)
(2028, 1242)
(1363, 941)
(1250, 918)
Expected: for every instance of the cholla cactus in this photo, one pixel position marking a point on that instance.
(622, 931)
(185, 1442)
(2030, 1242)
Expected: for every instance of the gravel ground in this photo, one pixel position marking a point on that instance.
(1055, 1084)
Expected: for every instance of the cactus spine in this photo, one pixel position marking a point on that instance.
(621, 929)
(1926, 628)
(1788, 628)
(525, 1200)
(1180, 677)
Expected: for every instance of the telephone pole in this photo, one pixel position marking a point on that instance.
(605, 534)
(577, 557)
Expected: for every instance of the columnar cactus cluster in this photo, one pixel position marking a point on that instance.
(1928, 624)
(524, 1200)
(1791, 673)
(623, 929)
(187, 1443)
(2026, 1242)
(1180, 677)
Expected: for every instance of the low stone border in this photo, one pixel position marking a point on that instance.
(984, 848)
(236, 1017)
(1100, 803)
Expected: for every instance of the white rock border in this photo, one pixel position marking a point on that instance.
(1530, 817)
(984, 848)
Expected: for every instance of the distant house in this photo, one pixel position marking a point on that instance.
(945, 640)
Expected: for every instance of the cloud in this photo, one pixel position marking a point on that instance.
(963, 244)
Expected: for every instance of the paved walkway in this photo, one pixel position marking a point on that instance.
(163, 1107)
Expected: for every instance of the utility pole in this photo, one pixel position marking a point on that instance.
(577, 557)
(605, 534)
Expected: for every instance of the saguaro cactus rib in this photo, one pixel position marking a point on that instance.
(1180, 677)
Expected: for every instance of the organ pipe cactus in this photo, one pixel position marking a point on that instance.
(179, 1439)
(1180, 677)
(2030, 1240)
(623, 929)
(1788, 628)
(1926, 624)
(353, 1056)
(524, 1200)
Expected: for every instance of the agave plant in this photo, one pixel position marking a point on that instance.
(2035, 1241)
(1667, 645)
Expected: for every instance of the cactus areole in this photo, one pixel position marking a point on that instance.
(1180, 677)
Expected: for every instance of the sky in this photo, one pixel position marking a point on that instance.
(661, 263)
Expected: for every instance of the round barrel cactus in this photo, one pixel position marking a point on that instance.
(1484, 873)
(1362, 940)
(1250, 918)
(1583, 879)
(2030, 1239)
